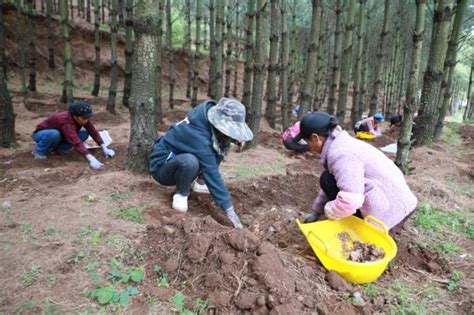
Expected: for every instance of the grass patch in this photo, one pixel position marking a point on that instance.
(131, 213)
(30, 277)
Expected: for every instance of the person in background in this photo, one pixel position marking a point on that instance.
(396, 120)
(195, 147)
(358, 178)
(300, 147)
(64, 130)
(370, 125)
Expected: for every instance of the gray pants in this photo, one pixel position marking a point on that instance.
(180, 171)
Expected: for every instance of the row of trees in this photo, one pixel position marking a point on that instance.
(317, 53)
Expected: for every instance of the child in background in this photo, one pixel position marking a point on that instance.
(370, 125)
(298, 147)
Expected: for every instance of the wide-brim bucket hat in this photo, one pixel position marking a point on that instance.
(228, 116)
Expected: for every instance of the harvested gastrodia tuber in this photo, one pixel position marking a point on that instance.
(359, 251)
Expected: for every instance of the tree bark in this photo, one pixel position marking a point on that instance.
(285, 53)
(427, 115)
(31, 48)
(212, 50)
(238, 37)
(143, 94)
(128, 51)
(96, 88)
(356, 90)
(169, 39)
(229, 63)
(307, 93)
(21, 47)
(159, 58)
(189, 53)
(377, 80)
(248, 66)
(468, 110)
(197, 55)
(49, 12)
(259, 70)
(273, 65)
(449, 66)
(88, 11)
(219, 46)
(335, 62)
(67, 96)
(410, 107)
(113, 59)
(346, 64)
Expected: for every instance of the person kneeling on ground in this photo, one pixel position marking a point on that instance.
(287, 138)
(370, 125)
(358, 178)
(396, 120)
(195, 147)
(64, 130)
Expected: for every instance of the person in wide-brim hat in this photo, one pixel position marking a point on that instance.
(195, 147)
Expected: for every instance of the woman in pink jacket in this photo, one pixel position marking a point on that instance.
(358, 178)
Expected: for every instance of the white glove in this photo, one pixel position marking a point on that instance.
(329, 210)
(107, 152)
(234, 218)
(93, 162)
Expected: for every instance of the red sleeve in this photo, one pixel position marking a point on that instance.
(69, 132)
(93, 132)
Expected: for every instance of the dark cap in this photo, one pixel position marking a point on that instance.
(395, 119)
(317, 122)
(81, 109)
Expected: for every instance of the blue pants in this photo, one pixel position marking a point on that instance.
(181, 171)
(51, 139)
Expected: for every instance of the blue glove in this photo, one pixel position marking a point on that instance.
(311, 217)
(234, 218)
(93, 162)
(108, 152)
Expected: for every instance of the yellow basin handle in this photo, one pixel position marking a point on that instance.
(319, 243)
(379, 223)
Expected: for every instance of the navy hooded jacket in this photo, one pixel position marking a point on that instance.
(193, 135)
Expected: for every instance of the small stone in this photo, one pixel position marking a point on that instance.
(270, 301)
(357, 299)
(6, 205)
(337, 282)
(261, 301)
(168, 229)
(271, 229)
(300, 298)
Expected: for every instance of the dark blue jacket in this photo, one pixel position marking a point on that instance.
(193, 135)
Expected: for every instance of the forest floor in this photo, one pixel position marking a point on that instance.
(73, 240)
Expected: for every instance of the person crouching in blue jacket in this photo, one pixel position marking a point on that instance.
(195, 147)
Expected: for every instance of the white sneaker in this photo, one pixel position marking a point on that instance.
(201, 189)
(180, 202)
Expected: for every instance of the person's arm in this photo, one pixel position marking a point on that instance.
(70, 134)
(370, 126)
(93, 133)
(320, 201)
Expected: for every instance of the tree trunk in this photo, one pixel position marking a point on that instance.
(285, 53)
(346, 64)
(307, 93)
(21, 47)
(320, 72)
(273, 65)
(356, 91)
(67, 96)
(119, 13)
(205, 23)
(143, 94)
(71, 9)
(49, 12)
(258, 71)
(335, 62)
(379, 63)
(428, 115)
(468, 110)
(401, 83)
(113, 59)
(128, 51)
(7, 115)
(188, 50)
(410, 107)
(392, 75)
(103, 5)
(212, 51)
(88, 11)
(96, 88)
(229, 64)
(216, 86)
(248, 66)
(169, 39)
(159, 58)
(197, 55)
(450, 65)
(293, 62)
(238, 36)
(31, 48)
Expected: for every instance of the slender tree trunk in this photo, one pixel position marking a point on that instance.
(128, 51)
(212, 52)
(293, 62)
(142, 98)
(335, 62)
(248, 66)
(285, 54)
(49, 12)
(21, 47)
(197, 55)
(238, 37)
(356, 90)
(113, 60)
(188, 50)
(32, 48)
(120, 10)
(392, 75)
(273, 65)
(427, 115)
(346, 64)
(468, 109)
(259, 70)
(103, 5)
(7, 115)
(230, 43)
(320, 73)
(307, 93)
(159, 59)
(205, 23)
(363, 85)
(219, 46)
(67, 96)
(71, 9)
(96, 88)
(88, 11)
(401, 83)
(42, 5)
(169, 39)
(379, 63)
(450, 64)
(410, 107)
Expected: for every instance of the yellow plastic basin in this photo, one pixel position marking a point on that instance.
(364, 135)
(323, 239)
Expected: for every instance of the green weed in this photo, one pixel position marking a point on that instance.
(31, 276)
(437, 220)
(117, 195)
(161, 277)
(201, 307)
(130, 214)
(178, 304)
(111, 294)
(447, 248)
(27, 305)
(86, 231)
(371, 290)
(96, 238)
(404, 296)
(26, 228)
(454, 280)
